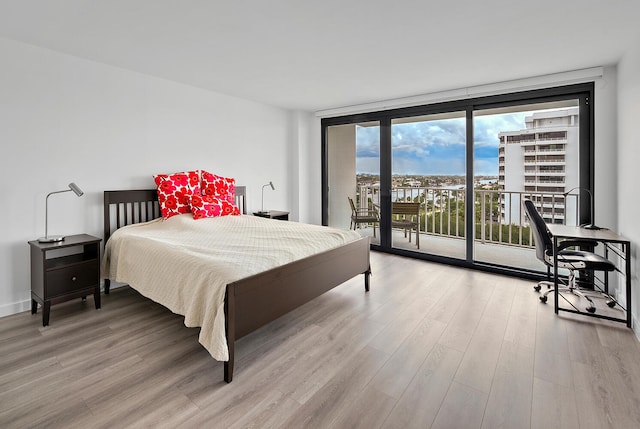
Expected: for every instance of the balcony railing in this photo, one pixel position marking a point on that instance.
(498, 214)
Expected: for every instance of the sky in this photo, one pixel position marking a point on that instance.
(437, 147)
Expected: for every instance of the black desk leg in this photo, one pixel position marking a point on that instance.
(555, 274)
(627, 263)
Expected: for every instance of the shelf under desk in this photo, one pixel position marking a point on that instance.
(612, 242)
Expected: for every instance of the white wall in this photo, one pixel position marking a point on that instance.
(606, 149)
(341, 154)
(65, 119)
(310, 171)
(299, 172)
(628, 161)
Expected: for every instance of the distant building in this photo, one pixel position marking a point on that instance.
(541, 162)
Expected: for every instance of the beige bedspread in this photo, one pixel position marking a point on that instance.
(185, 264)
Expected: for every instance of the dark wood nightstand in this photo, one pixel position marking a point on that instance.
(64, 270)
(273, 214)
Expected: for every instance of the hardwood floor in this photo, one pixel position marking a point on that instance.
(431, 346)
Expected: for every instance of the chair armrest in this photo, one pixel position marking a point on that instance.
(366, 212)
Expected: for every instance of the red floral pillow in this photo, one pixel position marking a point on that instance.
(211, 206)
(175, 192)
(218, 186)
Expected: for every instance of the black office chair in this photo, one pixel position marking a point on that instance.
(572, 260)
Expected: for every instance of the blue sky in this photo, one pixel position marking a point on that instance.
(437, 147)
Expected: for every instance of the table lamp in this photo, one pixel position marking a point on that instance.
(264, 186)
(592, 225)
(55, 238)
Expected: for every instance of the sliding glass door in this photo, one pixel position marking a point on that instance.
(446, 181)
(533, 150)
(428, 154)
(353, 152)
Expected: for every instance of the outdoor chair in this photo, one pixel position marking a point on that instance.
(363, 215)
(406, 216)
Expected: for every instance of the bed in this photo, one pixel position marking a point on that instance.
(257, 299)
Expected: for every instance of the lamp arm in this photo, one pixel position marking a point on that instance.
(264, 186)
(46, 211)
(592, 201)
(262, 203)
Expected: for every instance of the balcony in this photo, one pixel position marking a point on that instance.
(543, 161)
(540, 182)
(552, 141)
(551, 151)
(560, 172)
(502, 234)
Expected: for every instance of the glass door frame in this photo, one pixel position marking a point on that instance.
(584, 92)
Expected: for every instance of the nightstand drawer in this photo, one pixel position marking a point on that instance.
(72, 278)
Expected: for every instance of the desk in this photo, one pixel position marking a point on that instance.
(611, 242)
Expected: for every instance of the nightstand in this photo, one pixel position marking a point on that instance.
(64, 270)
(273, 214)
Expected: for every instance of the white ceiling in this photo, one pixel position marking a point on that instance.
(327, 54)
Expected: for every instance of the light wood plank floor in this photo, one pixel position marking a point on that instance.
(431, 346)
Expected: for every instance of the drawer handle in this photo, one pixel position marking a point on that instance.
(74, 278)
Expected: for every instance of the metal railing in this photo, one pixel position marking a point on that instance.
(498, 214)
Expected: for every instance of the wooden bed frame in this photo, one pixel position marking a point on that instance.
(261, 298)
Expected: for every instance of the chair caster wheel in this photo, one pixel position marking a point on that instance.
(537, 288)
(611, 304)
(543, 299)
(591, 309)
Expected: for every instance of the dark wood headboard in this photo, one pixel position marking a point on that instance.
(123, 208)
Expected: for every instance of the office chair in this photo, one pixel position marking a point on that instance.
(570, 259)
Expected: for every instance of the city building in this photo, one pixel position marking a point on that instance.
(540, 162)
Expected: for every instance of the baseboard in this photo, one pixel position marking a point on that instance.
(19, 307)
(15, 308)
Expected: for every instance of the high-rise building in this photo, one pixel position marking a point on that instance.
(540, 162)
